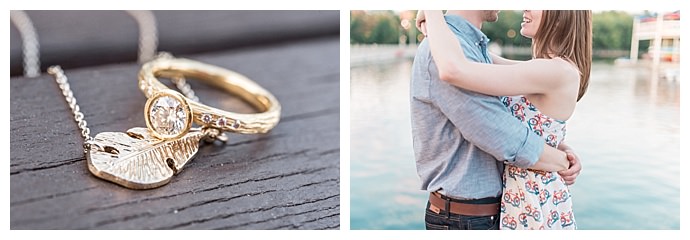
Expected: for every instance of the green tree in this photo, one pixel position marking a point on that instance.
(374, 27)
(357, 26)
(386, 30)
(611, 30)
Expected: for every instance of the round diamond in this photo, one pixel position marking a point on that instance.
(236, 124)
(221, 122)
(206, 118)
(167, 116)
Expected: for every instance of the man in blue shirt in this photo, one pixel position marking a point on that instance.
(462, 139)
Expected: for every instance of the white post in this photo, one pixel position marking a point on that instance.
(635, 41)
(657, 38)
(676, 49)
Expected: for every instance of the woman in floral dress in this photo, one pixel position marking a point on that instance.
(541, 92)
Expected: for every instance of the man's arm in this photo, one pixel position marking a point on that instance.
(551, 160)
(484, 121)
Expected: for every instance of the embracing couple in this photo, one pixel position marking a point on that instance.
(487, 131)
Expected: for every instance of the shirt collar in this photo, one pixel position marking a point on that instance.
(464, 28)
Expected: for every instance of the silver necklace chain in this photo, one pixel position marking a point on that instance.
(61, 80)
(30, 45)
(148, 38)
(148, 43)
(148, 34)
(179, 80)
(186, 89)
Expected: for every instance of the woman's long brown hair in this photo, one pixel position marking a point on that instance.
(566, 34)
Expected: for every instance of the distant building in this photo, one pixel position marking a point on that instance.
(663, 30)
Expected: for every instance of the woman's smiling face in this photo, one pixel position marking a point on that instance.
(530, 22)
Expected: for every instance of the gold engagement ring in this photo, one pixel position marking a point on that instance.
(145, 158)
(169, 114)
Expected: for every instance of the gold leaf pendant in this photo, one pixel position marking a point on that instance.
(138, 160)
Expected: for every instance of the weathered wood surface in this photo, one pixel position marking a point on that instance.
(92, 38)
(285, 179)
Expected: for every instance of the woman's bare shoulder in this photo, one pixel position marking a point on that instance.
(561, 68)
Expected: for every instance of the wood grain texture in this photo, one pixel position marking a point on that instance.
(285, 179)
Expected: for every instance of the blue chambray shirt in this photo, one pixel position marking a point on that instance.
(461, 138)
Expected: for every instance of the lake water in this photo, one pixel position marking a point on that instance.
(626, 130)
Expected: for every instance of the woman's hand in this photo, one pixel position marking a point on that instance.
(420, 22)
(447, 52)
(573, 171)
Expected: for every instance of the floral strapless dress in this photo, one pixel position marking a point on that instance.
(535, 199)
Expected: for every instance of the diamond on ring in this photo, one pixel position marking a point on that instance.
(168, 115)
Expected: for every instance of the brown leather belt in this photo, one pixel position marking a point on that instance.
(467, 209)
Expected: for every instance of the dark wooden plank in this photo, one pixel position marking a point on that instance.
(285, 179)
(91, 38)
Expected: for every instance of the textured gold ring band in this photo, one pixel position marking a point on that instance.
(232, 82)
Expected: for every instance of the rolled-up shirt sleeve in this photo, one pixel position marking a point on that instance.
(485, 122)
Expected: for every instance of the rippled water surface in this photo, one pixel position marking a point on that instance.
(625, 130)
